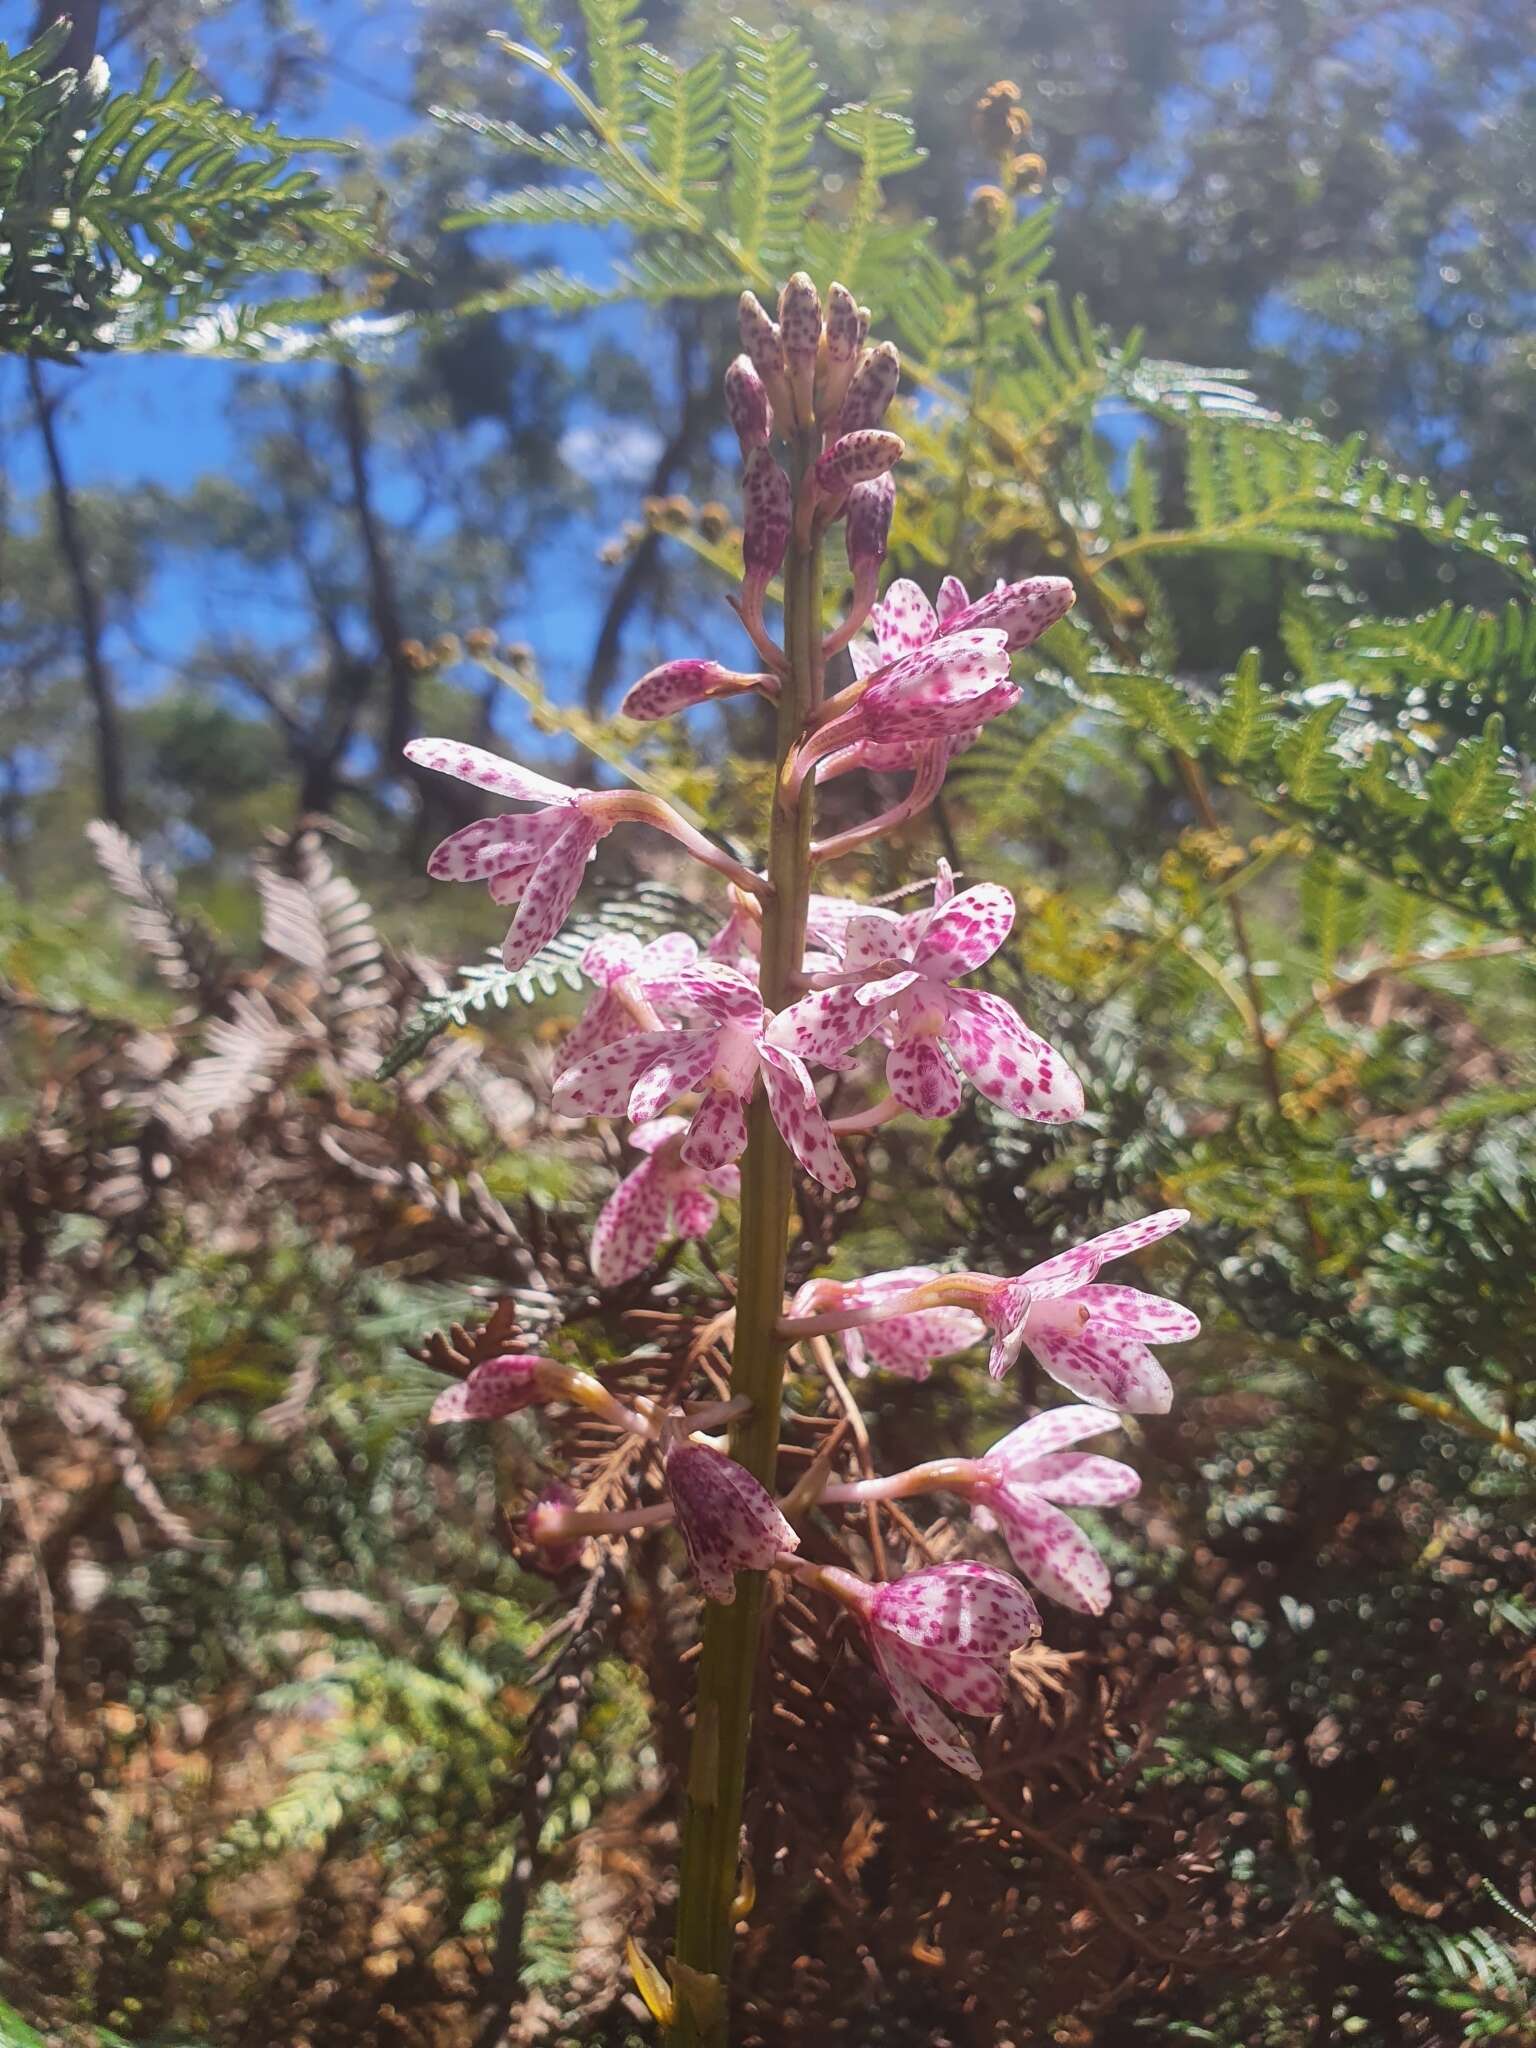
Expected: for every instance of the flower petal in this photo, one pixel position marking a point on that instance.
(601, 1084)
(921, 1079)
(497, 1386)
(823, 1026)
(1050, 1550)
(694, 1211)
(488, 771)
(685, 1064)
(1022, 610)
(497, 846)
(668, 953)
(1007, 1063)
(951, 601)
(720, 993)
(965, 932)
(1047, 1433)
(928, 1721)
(870, 938)
(551, 890)
(966, 1607)
(651, 1136)
(1082, 1261)
(802, 1125)
(727, 1519)
(717, 1136)
(631, 1226)
(600, 1023)
(910, 1345)
(903, 620)
(1151, 1316)
(1079, 1479)
(1104, 1364)
(610, 956)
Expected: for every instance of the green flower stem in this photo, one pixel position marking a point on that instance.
(711, 1848)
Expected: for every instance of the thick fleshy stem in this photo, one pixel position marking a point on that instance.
(711, 1844)
(939, 1475)
(634, 807)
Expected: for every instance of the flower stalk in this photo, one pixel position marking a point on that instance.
(711, 1842)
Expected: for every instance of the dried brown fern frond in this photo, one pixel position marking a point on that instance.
(315, 917)
(184, 951)
(246, 1051)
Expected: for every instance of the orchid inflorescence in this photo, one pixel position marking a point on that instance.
(684, 1039)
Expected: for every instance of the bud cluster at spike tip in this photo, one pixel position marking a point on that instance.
(882, 1010)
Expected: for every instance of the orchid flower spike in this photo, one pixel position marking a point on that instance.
(1089, 1338)
(1022, 1486)
(721, 1059)
(946, 1633)
(728, 1519)
(663, 1195)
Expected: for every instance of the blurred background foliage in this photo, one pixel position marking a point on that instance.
(296, 1745)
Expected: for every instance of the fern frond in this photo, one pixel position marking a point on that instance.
(774, 100)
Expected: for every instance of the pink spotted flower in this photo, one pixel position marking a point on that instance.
(1091, 1338)
(720, 1059)
(625, 973)
(907, 1345)
(727, 1519)
(664, 1195)
(1028, 1478)
(534, 859)
(937, 1031)
(942, 1637)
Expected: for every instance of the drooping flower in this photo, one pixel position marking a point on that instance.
(534, 859)
(624, 972)
(1089, 1338)
(664, 1194)
(908, 1345)
(497, 1386)
(1024, 1482)
(721, 1060)
(728, 1519)
(945, 1633)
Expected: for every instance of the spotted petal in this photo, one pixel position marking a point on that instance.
(694, 1210)
(488, 771)
(601, 1084)
(610, 956)
(965, 932)
(1007, 1062)
(1149, 1316)
(1050, 1550)
(802, 1125)
(1079, 1479)
(824, 1026)
(1022, 610)
(497, 1386)
(950, 602)
(1047, 1433)
(685, 1063)
(497, 846)
(910, 1345)
(1101, 1363)
(600, 1023)
(921, 1079)
(631, 1226)
(972, 1685)
(1082, 1261)
(904, 620)
(967, 1607)
(927, 1720)
(551, 890)
(717, 1136)
(728, 1519)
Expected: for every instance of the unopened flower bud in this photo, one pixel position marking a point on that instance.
(766, 506)
(856, 458)
(746, 405)
(867, 532)
(727, 1518)
(677, 684)
(800, 338)
(839, 351)
(761, 340)
(871, 390)
(865, 316)
(497, 1386)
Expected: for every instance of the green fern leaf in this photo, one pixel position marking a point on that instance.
(1239, 725)
(775, 98)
